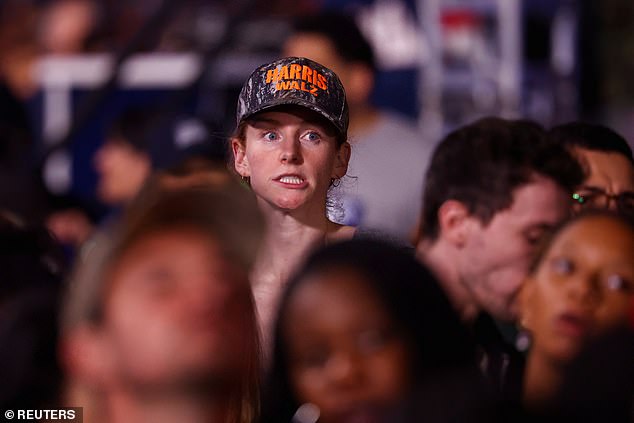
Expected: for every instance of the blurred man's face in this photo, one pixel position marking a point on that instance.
(177, 312)
(320, 49)
(356, 77)
(67, 25)
(496, 257)
(315, 47)
(122, 170)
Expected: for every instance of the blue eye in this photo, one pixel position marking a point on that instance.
(312, 136)
(270, 136)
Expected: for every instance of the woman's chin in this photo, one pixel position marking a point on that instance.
(289, 207)
(565, 352)
(289, 204)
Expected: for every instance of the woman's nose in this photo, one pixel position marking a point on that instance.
(345, 370)
(290, 152)
(585, 288)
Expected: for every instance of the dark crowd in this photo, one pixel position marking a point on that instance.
(311, 257)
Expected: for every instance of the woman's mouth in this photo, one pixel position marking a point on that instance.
(573, 324)
(294, 180)
(362, 416)
(361, 413)
(291, 181)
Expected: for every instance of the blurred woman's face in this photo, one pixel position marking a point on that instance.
(583, 286)
(346, 354)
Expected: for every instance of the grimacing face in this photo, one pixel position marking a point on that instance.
(607, 173)
(345, 353)
(290, 157)
(176, 311)
(496, 257)
(582, 286)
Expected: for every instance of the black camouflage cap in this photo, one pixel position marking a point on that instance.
(296, 81)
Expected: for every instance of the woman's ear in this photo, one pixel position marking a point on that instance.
(342, 158)
(240, 161)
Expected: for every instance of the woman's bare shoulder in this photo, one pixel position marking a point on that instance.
(338, 232)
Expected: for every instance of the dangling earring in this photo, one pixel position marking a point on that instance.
(306, 413)
(335, 182)
(246, 180)
(523, 340)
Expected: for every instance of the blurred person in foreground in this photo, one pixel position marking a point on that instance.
(362, 328)
(159, 322)
(390, 156)
(493, 189)
(609, 164)
(580, 289)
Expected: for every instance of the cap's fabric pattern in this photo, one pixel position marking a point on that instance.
(295, 81)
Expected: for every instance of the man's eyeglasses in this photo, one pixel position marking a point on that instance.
(595, 198)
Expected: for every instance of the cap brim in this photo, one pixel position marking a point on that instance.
(293, 102)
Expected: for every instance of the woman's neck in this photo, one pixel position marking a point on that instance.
(290, 237)
(288, 240)
(542, 380)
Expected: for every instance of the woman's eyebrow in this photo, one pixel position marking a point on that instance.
(319, 124)
(261, 122)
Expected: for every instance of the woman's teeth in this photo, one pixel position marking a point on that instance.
(291, 180)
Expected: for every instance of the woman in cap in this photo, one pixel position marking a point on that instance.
(291, 146)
